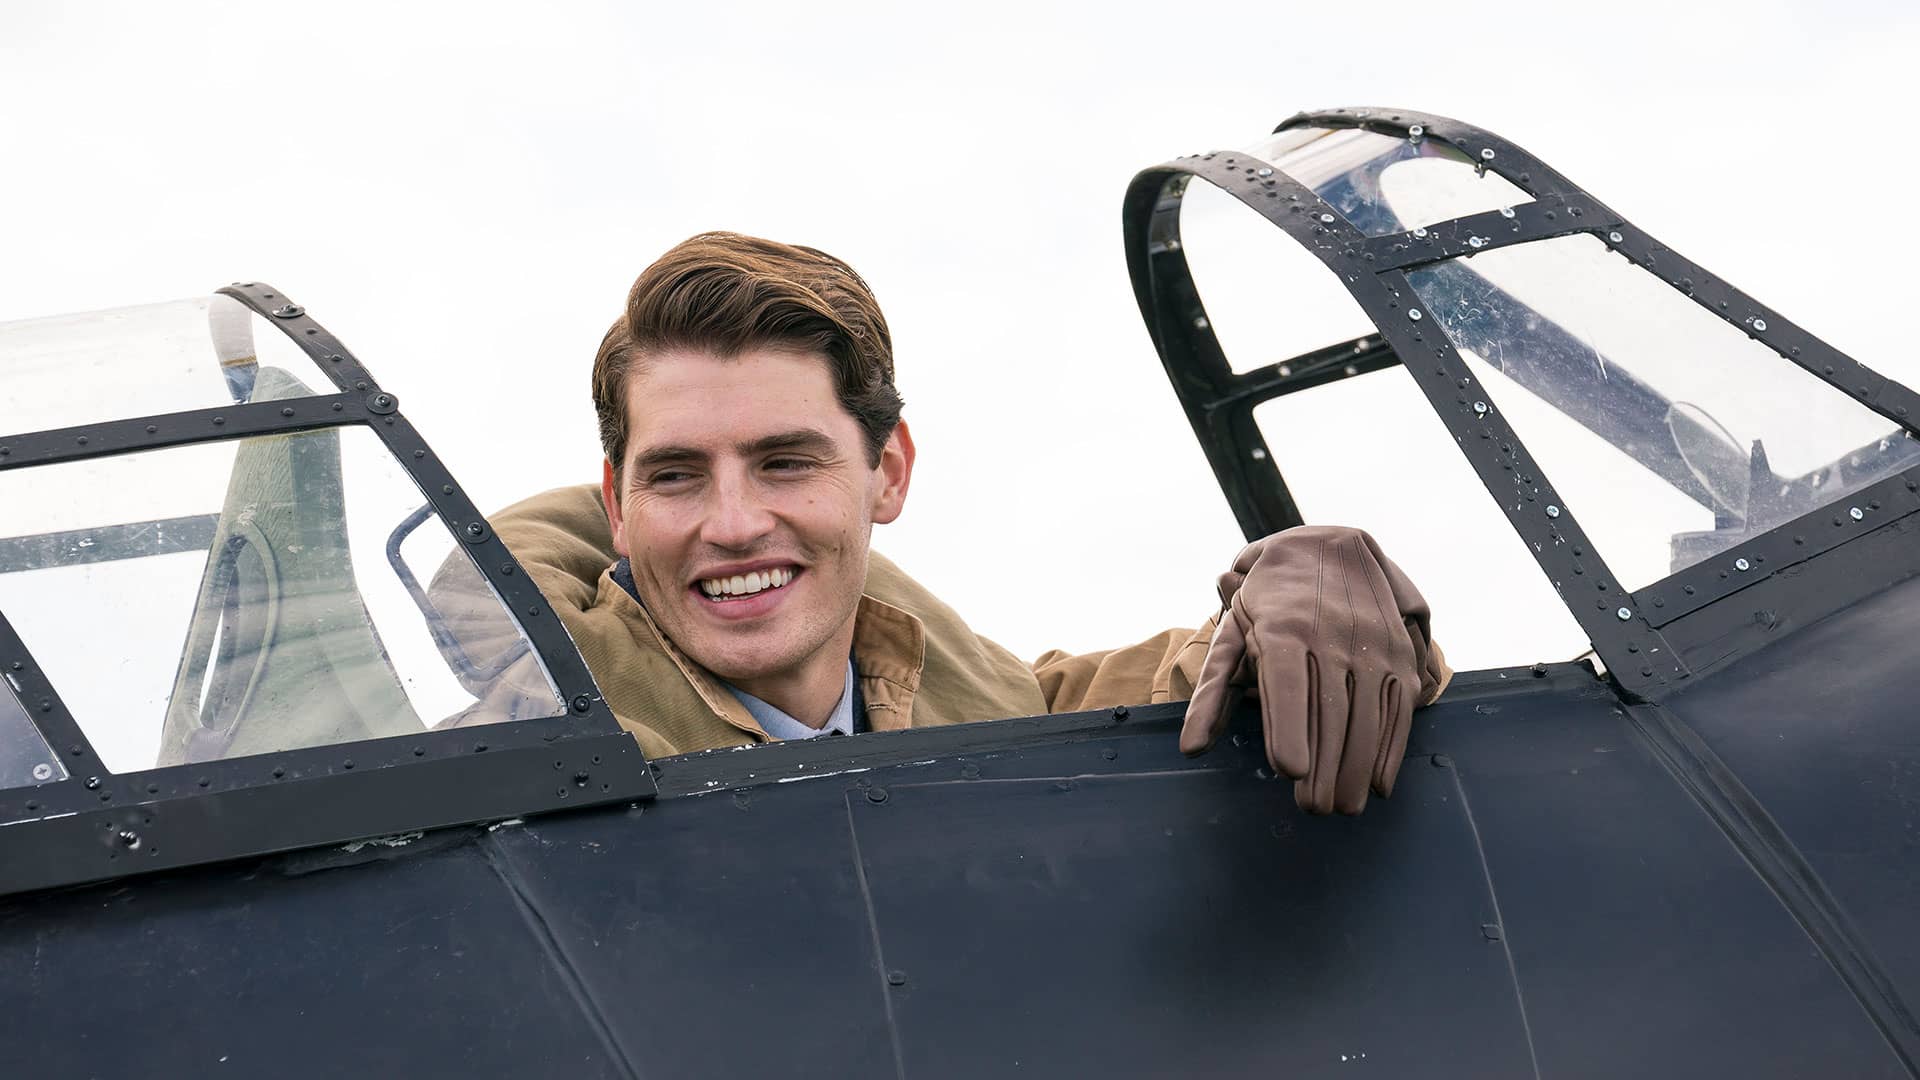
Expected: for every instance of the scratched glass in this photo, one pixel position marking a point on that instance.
(1386, 185)
(254, 595)
(68, 370)
(1671, 433)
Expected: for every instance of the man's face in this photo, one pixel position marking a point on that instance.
(745, 504)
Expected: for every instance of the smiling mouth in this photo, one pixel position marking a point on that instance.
(741, 586)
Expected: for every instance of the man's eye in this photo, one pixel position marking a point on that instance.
(669, 476)
(789, 465)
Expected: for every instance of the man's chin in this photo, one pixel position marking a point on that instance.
(740, 662)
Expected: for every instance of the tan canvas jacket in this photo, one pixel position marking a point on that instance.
(917, 662)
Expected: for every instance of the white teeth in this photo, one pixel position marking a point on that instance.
(746, 584)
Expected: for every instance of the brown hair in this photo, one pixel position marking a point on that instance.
(725, 293)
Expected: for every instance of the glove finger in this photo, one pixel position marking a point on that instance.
(1285, 682)
(1214, 695)
(1327, 724)
(1366, 721)
(1397, 702)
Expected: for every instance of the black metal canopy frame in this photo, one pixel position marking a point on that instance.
(1653, 640)
(95, 823)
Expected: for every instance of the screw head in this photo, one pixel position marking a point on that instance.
(1760, 325)
(1624, 614)
(1615, 237)
(289, 311)
(1854, 513)
(1487, 154)
(43, 771)
(1326, 219)
(1480, 408)
(1742, 565)
(1506, 211)
(1416, 132)
(1553, 511)
(582, 702)
(1263, 172)
(1420, 231)
(1414, 314)
(876, 795)
(1476, 242)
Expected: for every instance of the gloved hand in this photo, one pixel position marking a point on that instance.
(1336, 642)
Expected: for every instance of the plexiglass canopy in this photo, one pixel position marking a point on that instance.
(1648, 432)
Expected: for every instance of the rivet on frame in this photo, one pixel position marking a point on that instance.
(1200, 323)
(1615, 237)
(1624, 614)
(1258, 454)
(1487, 154)
(1506, 211)
(1416, 133)
(1327, 218)
(1414, 314)
(1420, 232)
(1760, 325)
(1553, 511)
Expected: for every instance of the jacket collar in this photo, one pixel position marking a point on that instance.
(889, 653)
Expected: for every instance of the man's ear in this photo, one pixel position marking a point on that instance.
(894, 474)
(610, 495)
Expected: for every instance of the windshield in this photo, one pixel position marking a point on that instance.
(226, 598)
(287, 612)
(140, 361)
(1671, 434)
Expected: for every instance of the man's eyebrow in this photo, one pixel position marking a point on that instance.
(807, 439)
(667, 455)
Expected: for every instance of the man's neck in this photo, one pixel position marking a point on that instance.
(809, 691)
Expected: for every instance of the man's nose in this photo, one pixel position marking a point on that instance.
(738, 517)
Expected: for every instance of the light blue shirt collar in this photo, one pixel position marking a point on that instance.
(781, 726)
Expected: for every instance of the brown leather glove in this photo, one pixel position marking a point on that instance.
(1337, 643)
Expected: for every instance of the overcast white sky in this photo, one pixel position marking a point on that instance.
(464, 192)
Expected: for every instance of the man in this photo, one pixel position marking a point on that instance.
(753, 439)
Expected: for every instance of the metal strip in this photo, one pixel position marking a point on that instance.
(1521, 223)
(116, 837)
(107, 543)
(328, 353)
(179, 429)
(49, 716)
(1780, 548)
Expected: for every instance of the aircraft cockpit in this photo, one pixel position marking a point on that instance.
(1641, 425)
(231, 556)
(253, 633)
(237, 586)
